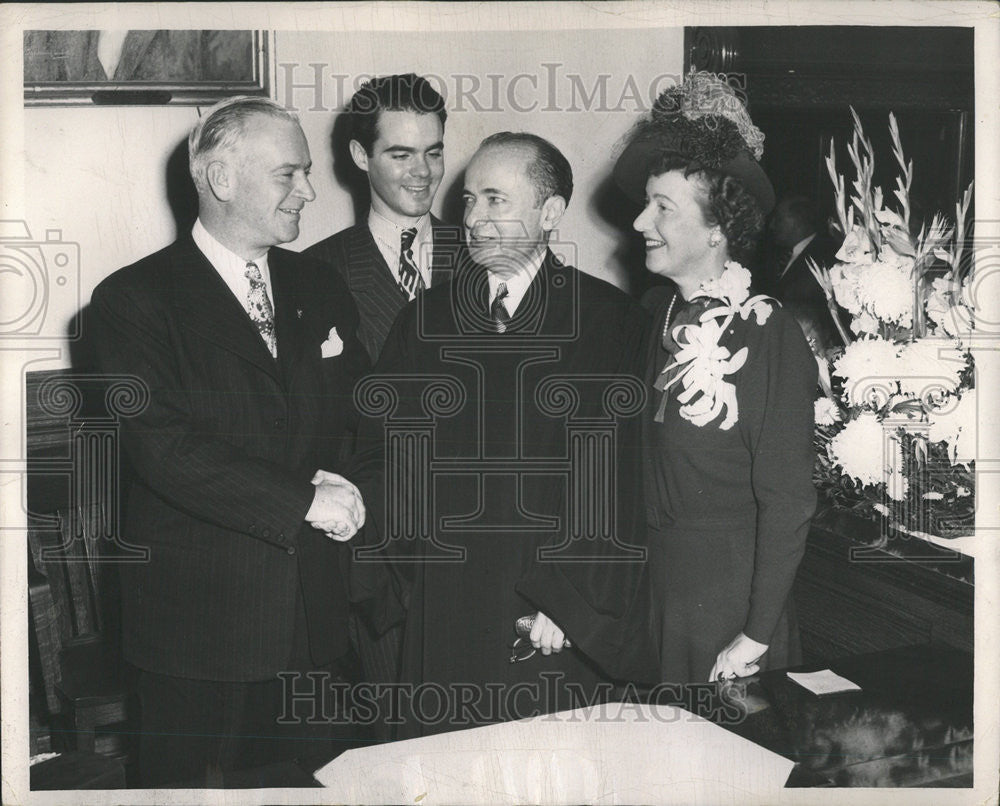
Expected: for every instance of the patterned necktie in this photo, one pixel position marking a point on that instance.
(409, 276)
(259, 308)
(498, 311)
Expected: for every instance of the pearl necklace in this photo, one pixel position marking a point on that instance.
(666, 322)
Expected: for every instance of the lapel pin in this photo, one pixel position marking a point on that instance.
(298, 313)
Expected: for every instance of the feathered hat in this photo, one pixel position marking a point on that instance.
(704, 121)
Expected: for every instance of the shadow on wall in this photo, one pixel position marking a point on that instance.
(183, 201)
(611, 205)
(181, 194)
(452, 203)
(347, 174)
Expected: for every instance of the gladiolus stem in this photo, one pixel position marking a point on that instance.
(832, 305)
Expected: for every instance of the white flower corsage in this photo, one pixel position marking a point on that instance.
(702, 363)
(333, 345)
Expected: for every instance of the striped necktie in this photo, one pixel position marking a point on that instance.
(259, 308)
(409, 276)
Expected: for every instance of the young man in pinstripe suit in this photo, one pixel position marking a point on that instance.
(396, 129)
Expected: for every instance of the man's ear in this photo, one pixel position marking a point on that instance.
(220, 180)
(359, 155)
(552, 212)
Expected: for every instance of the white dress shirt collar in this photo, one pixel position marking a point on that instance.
(517, 284)
(797, 250)
(230, 266)
(387, 236)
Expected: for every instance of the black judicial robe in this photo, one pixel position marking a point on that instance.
(504, 409)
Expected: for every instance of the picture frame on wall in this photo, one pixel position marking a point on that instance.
(143, 67)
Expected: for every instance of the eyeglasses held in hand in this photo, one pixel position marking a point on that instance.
(522, 649)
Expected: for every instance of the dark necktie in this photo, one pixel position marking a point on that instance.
(498, 311)
(409, 276)
(259, 308)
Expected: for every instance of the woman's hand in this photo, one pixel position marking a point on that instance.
(739, 659)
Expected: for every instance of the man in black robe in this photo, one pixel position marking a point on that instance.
(500, 466)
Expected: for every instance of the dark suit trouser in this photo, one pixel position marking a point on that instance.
(380, 657)
(193, 732)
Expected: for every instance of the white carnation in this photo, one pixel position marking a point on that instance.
(733, 285)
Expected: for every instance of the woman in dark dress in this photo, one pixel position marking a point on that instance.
(728, 437)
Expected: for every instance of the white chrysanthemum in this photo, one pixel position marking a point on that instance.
(930, 366)
(957, 428)
(863, 452)
(827, 412)
(870, 369)
(857, 449)
(886, 290)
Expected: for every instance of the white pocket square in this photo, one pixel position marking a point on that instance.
(334, 345)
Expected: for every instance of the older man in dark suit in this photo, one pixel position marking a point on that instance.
(250, 354)
(492, 510)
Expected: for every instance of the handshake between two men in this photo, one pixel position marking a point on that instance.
(339, 512)
(337, 508)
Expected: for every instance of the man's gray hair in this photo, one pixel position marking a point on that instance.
(222, 128)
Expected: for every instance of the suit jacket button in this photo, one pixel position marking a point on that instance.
(265, 532)
(290, 551)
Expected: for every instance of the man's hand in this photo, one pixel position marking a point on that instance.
(337, 509)
(739, 659)
(545, 635)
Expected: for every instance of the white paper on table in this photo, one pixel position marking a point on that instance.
(609, 754)
(823, 682)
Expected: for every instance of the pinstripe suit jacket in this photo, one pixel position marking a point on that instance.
(354, 255)
(222, 458)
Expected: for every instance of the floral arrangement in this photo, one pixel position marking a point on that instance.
(896, 425)
(700, 363)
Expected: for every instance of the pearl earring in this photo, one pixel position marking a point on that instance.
(715, 239)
